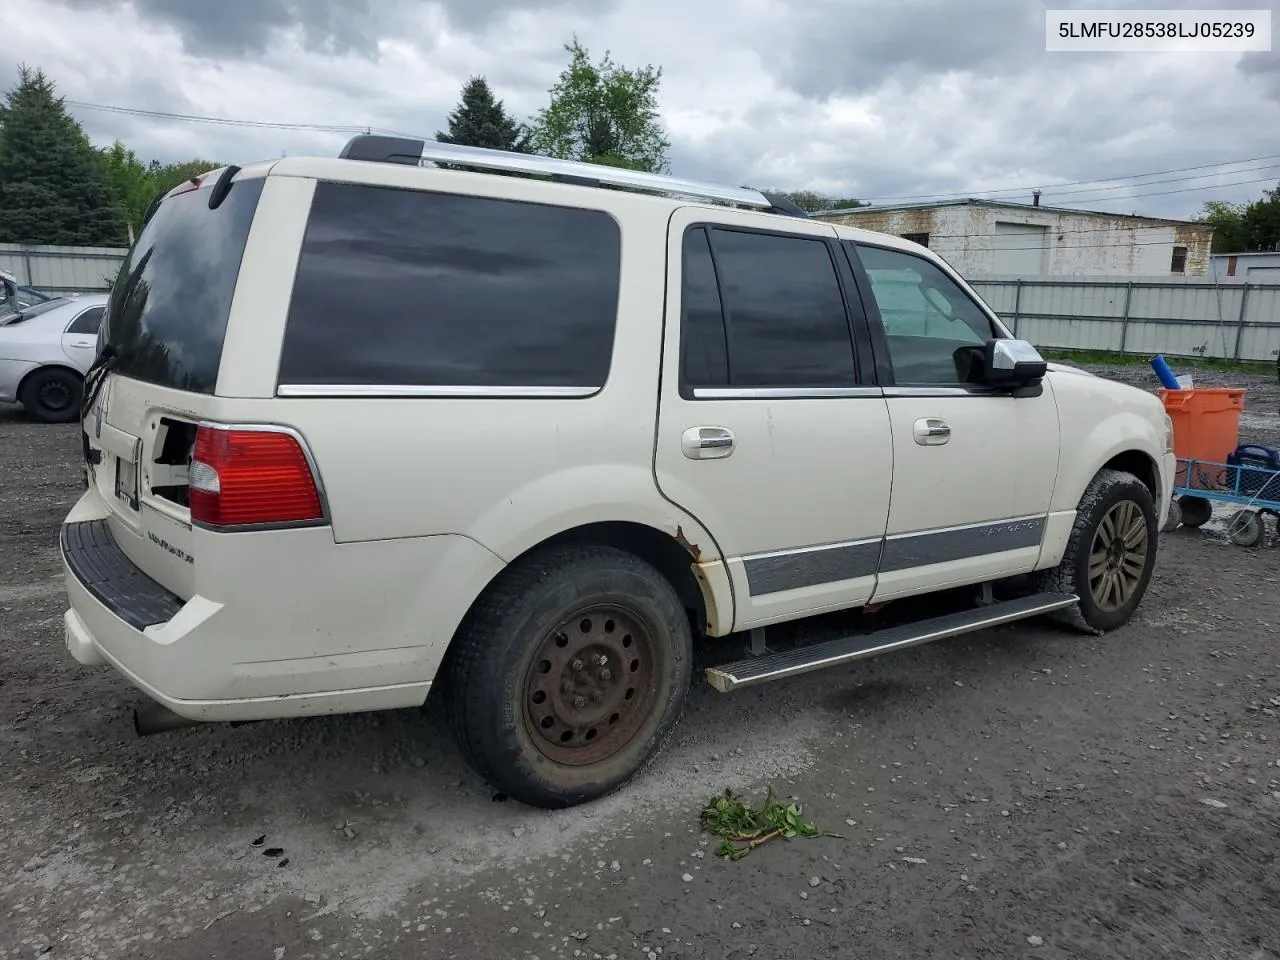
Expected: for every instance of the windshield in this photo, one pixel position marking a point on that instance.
(169, 305)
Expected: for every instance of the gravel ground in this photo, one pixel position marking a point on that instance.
(1019, 793)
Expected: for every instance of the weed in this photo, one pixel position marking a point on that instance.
(744, 828)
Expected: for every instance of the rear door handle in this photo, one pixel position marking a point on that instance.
(930, 432)
(707, 443)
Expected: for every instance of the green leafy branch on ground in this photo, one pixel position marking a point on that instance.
(744, 827)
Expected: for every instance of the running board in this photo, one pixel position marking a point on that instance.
(791, 663)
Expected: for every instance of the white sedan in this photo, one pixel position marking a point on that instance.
(45, 351)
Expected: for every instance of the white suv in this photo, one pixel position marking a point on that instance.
(366, 426)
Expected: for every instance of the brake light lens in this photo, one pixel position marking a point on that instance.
(251, 477)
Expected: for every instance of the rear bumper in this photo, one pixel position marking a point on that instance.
(308, 628)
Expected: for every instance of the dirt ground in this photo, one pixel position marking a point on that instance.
(1019, 793)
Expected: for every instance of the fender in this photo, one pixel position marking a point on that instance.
(1100, 420)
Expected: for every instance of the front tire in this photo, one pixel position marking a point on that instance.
(52, 395)
(569, 674)
(1111, 553)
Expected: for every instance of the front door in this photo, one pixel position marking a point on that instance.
(974, 468)
(770, 431)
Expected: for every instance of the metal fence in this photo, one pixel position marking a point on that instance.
(62, 270)
(1179, 318)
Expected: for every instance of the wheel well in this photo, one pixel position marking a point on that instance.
(1141, 466)
(650, 545)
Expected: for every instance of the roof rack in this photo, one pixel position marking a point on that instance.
(383, 149)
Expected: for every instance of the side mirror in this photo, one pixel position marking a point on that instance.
(1012, 363)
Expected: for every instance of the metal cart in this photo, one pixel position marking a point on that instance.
(1198, 483)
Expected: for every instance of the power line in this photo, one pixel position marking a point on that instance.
(1071, 183)
(223, 121)
(1152, 183)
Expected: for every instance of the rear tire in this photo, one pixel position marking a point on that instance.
(52, 395)
(1196, 511)
(569, 674)
(1110, 555)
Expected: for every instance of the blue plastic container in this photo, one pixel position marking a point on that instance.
(1167, 379)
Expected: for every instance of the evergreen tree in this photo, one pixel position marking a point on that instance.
(52, 185)
(480, 120)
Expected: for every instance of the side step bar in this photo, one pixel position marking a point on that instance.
(832, 653)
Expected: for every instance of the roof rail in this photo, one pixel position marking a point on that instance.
(383, 149)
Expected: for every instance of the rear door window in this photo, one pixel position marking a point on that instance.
(457, 294)
(763, 310)
(167, 316)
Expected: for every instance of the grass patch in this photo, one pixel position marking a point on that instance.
(1104, 358)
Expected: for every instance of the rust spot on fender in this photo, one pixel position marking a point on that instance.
(690, 548)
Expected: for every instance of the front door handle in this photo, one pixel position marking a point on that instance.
(707, 443)
(930, 432)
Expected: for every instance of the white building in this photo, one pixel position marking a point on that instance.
(999, 238)
(1246, 267)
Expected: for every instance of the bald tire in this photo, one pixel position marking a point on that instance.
(485, 672)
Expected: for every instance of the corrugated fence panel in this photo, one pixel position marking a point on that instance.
(1073, 300)
(1184, 302)
(1070, 333)
(1175, 316)
(1180, 339)
(62, 270)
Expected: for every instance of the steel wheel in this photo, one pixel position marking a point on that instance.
(1118, 556)
(591, 684)
(55, 396)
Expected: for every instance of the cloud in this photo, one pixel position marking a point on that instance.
(880, 99)
(239, 28)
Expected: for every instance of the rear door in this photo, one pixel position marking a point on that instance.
(769, 432)
(973, 468)
(163, 336)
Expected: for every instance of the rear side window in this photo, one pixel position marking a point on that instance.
(167, 315)
(404, 288)
(773, 301)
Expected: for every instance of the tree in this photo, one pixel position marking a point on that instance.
(1244, 227)
(1262, 222)
(1227, 220)
(480, 120)
(52, 185)
(811, 202)
(130, 183)
(603, 113)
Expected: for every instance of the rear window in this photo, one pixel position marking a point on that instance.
(167, 315)
(400, 288)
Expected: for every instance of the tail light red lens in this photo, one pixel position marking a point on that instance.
(248, 478)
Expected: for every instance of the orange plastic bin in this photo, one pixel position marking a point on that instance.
(1206, 421)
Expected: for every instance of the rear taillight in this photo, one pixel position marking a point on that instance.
(251, 477)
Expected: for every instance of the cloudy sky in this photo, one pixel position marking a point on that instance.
(879, 99)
